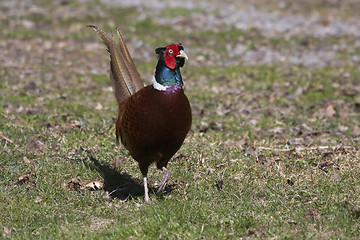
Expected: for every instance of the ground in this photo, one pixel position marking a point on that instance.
(274, 146)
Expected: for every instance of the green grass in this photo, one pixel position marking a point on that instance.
(253, 199)
(262, 159)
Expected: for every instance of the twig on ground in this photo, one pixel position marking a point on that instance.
(347, 148)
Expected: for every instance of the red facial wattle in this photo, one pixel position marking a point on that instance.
(170, 53)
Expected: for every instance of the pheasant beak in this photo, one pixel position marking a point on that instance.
(182, 55)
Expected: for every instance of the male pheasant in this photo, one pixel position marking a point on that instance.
(154, 120)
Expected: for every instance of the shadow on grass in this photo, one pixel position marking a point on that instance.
(118, 185)
(121, 185)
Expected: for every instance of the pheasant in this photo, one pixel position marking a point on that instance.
(153, 121)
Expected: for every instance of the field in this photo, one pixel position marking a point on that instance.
(273, 151)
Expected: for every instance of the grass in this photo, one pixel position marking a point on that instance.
(265, 157)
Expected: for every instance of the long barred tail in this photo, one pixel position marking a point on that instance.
(123, 73)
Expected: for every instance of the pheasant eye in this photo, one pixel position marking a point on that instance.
(171, 51)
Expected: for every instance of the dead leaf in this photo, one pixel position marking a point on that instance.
(291, 222)
(277, 130)
(35, 146)
(249, 151)
(98, 106)
(290, 182)
(344, 112)
(38, 200)
(73, 185)
(203, 127)
(97, 224)
(23, 179)
(325, 165)
(219, 184)
(118, 162)
(73, 124)
(197, 175)
(327, 111)
(94, 185)
(26, 160)
(216, 126)
(335, 177)
(350, 92)
(296, 141)
(263, 160)
(7, 231)
(355, 212)
(330, 111)
(85, 185)
(343, 128)
(356, 131)
(180, 156)
(324, 22)
(312, 214)
(251, 233)
(309, 201)
(5, 138)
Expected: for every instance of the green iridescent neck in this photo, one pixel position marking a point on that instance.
(166, 76)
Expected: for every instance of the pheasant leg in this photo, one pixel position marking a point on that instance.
(164, 180)
(146, 190)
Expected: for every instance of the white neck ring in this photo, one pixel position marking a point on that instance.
(158, 86)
